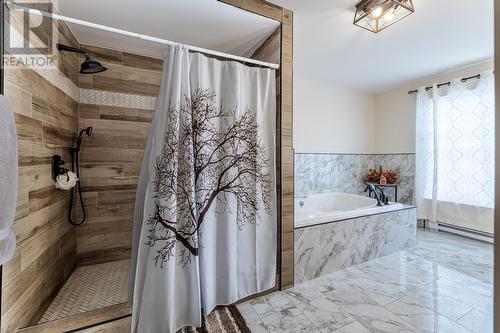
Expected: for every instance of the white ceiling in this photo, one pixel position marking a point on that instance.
(204, 23)
(441, 35)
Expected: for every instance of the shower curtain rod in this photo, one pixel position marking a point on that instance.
(465, 79)
(12, 5)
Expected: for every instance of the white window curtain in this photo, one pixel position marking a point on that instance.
(455, 153)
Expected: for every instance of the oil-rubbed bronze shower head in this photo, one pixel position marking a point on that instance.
(89, 66)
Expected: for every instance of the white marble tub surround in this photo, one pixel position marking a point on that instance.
(331, 207)
(434, 287)
(345, 173)
(325, 248)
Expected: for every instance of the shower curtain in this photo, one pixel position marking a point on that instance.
(455, 161)
(205, 215)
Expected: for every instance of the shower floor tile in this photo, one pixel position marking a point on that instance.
(90, 288)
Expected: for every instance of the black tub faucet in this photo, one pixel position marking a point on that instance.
(370, 188)
(383, 198)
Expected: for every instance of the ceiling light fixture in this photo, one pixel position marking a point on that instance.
(376, 15)
(377, 12)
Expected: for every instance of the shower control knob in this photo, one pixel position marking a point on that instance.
(57, 167)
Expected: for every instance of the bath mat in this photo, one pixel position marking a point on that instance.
(225, 319)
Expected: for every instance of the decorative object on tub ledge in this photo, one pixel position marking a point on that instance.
(376, 176)
(376, 15)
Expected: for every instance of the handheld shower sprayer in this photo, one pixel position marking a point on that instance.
(75, 167)
(87, 131)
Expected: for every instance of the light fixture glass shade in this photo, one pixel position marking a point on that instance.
(376, 15)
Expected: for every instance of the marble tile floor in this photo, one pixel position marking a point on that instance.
(444, 284)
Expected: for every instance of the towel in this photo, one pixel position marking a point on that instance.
(8, 179)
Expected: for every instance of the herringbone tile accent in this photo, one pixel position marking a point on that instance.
(109, 98)
(89, 288)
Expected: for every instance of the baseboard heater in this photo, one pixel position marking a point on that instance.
(468, 233)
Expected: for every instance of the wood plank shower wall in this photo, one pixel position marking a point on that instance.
(46, 123)
(118, 104)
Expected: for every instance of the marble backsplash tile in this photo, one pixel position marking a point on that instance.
(317, 173)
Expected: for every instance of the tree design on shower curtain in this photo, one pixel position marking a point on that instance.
(211, 155)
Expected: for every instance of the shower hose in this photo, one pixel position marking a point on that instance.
(75, 162)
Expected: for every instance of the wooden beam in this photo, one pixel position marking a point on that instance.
(259, 7)
(287, 158)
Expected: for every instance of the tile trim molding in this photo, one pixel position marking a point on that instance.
(108, 98)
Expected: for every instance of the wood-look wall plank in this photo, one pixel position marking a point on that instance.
(20, 98)
(44, 197)
(102, 54)
(139, 61)
(97, 154)
(88, 111)
(269, 51)
(46, 122)
(125, 114)
(28, 128)
(34, 177)
(115, 197)
(104, 255)
(120, 85)
(31, 249)
(36, 153)
(22, 204)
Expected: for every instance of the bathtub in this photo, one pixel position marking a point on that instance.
(331, 207)
(334, 231)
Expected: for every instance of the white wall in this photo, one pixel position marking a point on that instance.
(332, 119)
(395, 111)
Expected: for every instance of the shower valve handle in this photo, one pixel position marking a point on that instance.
(58, 167)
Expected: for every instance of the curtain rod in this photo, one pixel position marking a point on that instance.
(12, 5)
(465, 79)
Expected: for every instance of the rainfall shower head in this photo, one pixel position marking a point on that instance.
(89, 66)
